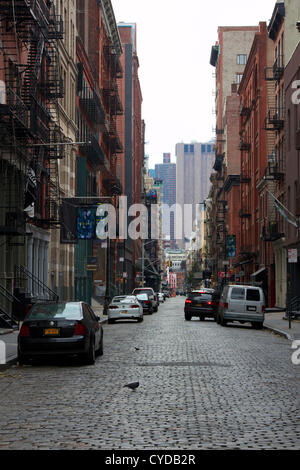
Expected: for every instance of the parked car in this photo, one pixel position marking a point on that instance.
(201, 303)
(125, 307)
(152, 296)
(60, 329)
(161, 297)
(166, 294)
(145, 302)
(243, 304)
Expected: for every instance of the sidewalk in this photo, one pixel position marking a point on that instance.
(277, 323)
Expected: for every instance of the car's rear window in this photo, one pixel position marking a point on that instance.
(142, 296)
(124, 300)
(200, 296)
(69, 311)
(253, 294)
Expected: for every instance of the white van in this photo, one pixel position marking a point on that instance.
(243, 304)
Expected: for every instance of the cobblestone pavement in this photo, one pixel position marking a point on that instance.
(202, 386)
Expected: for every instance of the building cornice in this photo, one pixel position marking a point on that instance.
(111, 25)
(231, 180)
(276, 20)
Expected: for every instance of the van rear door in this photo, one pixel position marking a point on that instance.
(236, 300)
(254, 301)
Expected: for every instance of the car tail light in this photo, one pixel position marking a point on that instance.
(134, 306)
(27, 308)
(188, 301)
(212, 303)
(112, 307)
(147, 302)
(263, 308)
(25, 331)
(79, 329)
(155, 298)
(226, 305)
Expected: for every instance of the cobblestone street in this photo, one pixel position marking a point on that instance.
(201, 387)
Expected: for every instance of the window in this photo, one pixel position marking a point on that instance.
(241, 59)
(238, 293)
(69, 311)
(239, 77)
(253, 294)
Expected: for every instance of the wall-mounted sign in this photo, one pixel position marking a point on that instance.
(231, 246)
(293, 255)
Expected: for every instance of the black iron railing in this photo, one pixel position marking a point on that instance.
(34, 284)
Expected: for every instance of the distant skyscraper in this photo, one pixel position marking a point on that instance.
(167, 173)
(194, 164)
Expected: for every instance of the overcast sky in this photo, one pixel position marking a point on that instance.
(174, 40)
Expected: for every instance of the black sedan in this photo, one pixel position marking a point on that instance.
(202, 304)
(63, 328)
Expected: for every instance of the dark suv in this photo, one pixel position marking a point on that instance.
(201, 303)
(152, 296)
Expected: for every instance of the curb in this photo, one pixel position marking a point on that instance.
(9, 363)
(279, 332)
(6, 332)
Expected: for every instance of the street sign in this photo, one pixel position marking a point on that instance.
(91, 267)
(231, 246)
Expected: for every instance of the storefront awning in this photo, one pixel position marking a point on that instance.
(257, 273)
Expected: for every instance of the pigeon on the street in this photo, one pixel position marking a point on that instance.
(132, 385)
(137, 349)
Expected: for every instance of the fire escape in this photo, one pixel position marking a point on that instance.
(29, 116)
(114, 106)
(274, 125)
(246, 250)
(29, 119)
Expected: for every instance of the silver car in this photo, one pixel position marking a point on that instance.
(124, 307)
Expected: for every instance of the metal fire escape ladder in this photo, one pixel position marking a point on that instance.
(13, 160)
(56, 135)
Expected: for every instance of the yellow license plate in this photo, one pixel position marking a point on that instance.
(51, 331)
(199, 305)
(123, 311)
